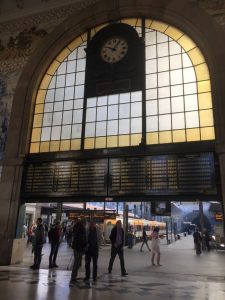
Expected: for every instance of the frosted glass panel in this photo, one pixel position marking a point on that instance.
(58, 106)
(151, 66)
(186, 60)
(124, 98)
(152, 124)
(113, 99)
(190, 88)
(136, 96)
(71, 66)
(124, 126)
(175, 48)
(164, 122)
(48, 107)
(59, 94)
(151, 81)
(136, 125)
(78, 103)
(56, 133)
(192, 119)
(70, 79)
(50, 96)
(45, 134)
(60, 81)
(76, 131)
(162, 50)
(191, 102)
(161, 37)
(164, 92)
(90, 129)
(136, 109)
(112, 128)
(163, 79)
(81, 65)
(150, 38)
(151, 107)
(101, 113)
(101, 129)
(91, 114)
(77, 116)
(62, 68)
(79, 91)
(102, 101)
(57, 118)
(189, 75)
(112, 112)
(66, 132)
(178, 121)
(69, 92)
(176, 77)
(177, 90)
(124, 111)
(163, 64)
(68, 105)
(177, 104)
(67, 117)
(151, 94)
(80, 78)
(47, 119)
(150, 52)
(175, 62)
(164, 106)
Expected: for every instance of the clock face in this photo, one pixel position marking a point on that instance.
(114, 49)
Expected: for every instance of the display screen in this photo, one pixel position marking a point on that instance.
(161, 208)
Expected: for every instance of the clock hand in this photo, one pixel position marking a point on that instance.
(113, 49)
(116, 45)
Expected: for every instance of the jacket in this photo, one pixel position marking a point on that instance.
(113, 236)
(79, 242)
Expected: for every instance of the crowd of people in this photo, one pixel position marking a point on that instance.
(86, 240)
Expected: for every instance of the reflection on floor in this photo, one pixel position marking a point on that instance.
(182, 276)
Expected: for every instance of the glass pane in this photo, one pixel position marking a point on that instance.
(162, 49)
(175, 48)
(52, 83)
(101, 113)
(66, 132)
(124, 126)
(113, 99)
(56, 132)
(50, 96)
(47, 119)
(67, 117)
(163, 64)
(69, 92)
(59, 94)
(124, 98)
(91, 102)
(60, 81)
(175, 62)
(57, 118)
(89, 129)
(189, 75)
(191, 102)
(164, 106)
(102, 100)
(164, 122)
(177, 90)
(79, 91)
(90, 114)
(161, 37)
(163, 79)
(176, 77)
(206, 118)
(186, 60)
(151, 81)
(81, 52)
(136, 125)
(177, 104)
(112, 128)
(71, 66)
(124, 110)
(151, 94)
(70, 79)
(164, 92)
(68, 105)
(45, 133)
(58, 106)
(80, 78)
(73, 55)
(151, 66)
(190, 88)
(77, 116)
(151, 107)
(61, 68)
(165, 137)
(101, 129)
(48, 107)
(205, 100)
(150, 52)
(78, 103)
(178, 121)
(136, 96)
(81, 65)
(152, 124)
(136, 109)
(76, 131)
(192, 119)
(150, 38)
(112, 112)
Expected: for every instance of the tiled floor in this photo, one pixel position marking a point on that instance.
(184, 275)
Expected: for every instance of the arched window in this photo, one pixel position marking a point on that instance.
(177, 104)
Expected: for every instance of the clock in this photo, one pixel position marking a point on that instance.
(114, 49)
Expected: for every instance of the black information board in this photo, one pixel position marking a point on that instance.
(114, 178)
(162, 174)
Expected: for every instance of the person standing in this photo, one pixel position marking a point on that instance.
(197, 241)
(54, 239)
(94, 240)
(38, 241)
(144, 240)
(79, 244)
(155, 246)
(117, 240)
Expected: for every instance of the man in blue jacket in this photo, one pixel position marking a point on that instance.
(117, 240)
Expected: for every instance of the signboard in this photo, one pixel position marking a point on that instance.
(219, 216)
(96, 215)
(161, 208)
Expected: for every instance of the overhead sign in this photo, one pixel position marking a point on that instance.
(219, 216)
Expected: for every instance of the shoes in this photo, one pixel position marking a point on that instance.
(55, 266)
(86, 279)
(50, 266)
(33, 267)
(72, 283)
(124, 274)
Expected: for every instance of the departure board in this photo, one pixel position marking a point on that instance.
(162, 174)
(66, 178)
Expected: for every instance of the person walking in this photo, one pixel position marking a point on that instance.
(144, 240)
(79, 244)
(94, 240)
(197, 241)
(54, 239)
(155, 246)
(38, 242)
(117, 240)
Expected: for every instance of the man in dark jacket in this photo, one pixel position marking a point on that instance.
(197, 241)
(54, 239)
(38, 241)
(144, 240)
(117, 240)
(79, 246)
